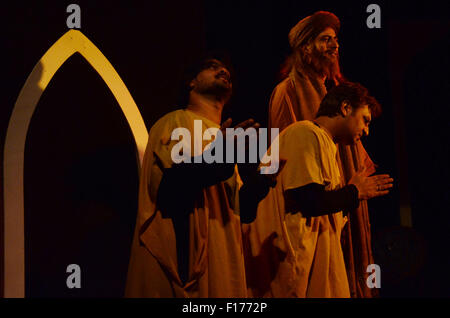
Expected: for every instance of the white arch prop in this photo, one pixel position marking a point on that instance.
(13, 165)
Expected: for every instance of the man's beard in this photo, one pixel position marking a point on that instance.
(219, 90)
(324, 65)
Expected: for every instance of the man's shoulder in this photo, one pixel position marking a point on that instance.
(173, 115)
(299, 127)
(169, 119)
(284, 86)
(163, 128)
(304, 131)
(299, 137)
(285, 90)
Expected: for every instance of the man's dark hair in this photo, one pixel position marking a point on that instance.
(353, 93)
(195, 68)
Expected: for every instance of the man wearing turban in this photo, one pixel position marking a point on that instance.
(312, 68)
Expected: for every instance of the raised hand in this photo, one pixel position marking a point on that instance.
(371, 186)
(249, 123)
(240, 143)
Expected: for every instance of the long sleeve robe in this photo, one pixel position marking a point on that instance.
(288, 253)
(216, 264)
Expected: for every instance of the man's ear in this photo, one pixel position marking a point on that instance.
(308, 47)
(346, 109)
(192, 83)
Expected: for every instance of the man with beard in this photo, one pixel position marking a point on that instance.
(311, 69)
(187, 240)
(297, 250)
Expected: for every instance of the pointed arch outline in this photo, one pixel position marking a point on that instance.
(71, 42)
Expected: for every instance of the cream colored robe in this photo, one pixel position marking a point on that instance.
(216, 265)
(287, 254)
(298, 98)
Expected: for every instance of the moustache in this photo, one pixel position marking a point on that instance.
(224, 76)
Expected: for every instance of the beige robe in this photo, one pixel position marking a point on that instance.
(289, 255)
(298, 98)
(216, 265)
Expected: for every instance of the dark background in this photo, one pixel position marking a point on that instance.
(81, 176)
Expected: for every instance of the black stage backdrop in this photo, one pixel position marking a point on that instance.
(81, 177)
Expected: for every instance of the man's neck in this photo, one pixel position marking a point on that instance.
(329, 124)
(320, 75)
(206, 105)
(310, 69)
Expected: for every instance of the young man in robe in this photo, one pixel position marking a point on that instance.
(312, 68)
(188, 240)
(294, 244)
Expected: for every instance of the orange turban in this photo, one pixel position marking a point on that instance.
(311, 26)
